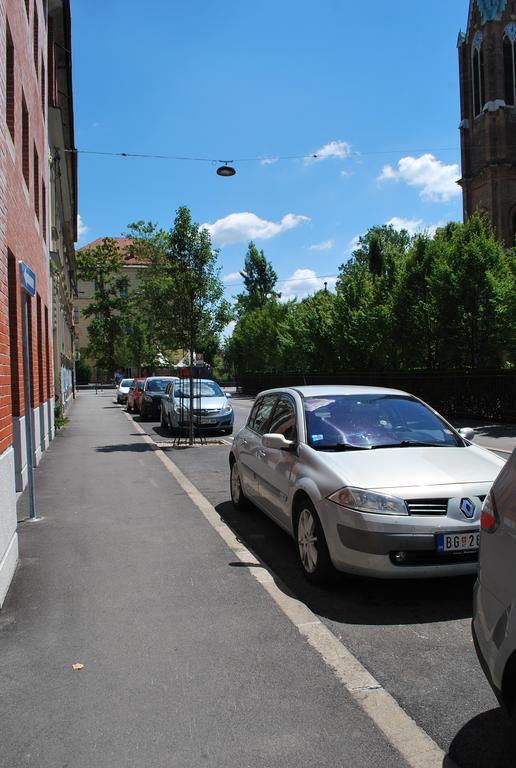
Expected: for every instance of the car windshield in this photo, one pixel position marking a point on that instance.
(157, 385)
(200, 389)
(354, 422)
(140, 384)
(126, 382)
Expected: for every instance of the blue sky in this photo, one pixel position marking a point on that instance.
(372, 86)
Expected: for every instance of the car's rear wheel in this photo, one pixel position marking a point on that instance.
(312, 548)
(163, 419)
(238, 497)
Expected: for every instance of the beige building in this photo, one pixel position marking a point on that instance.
(132, 270)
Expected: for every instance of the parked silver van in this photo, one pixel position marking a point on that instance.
(494, 615)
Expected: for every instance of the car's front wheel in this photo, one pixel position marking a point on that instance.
(239, 499)
(311, 545)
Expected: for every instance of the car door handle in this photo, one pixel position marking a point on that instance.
(262, 454)
(244, 441)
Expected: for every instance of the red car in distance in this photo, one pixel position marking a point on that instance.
(134, 396)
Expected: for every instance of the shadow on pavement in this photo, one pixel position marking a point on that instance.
(486, 741)
(350, 599)
(125, 447)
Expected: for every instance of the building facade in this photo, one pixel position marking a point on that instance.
(487, 63)
(62, 202)
(27, 79)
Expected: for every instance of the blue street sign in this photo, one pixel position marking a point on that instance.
(28, 279)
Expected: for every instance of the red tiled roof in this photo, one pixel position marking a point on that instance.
(124, 244)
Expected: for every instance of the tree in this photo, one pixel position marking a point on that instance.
(106, 332)
(259, 281)
(181, 288)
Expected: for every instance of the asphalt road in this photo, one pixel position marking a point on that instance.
(413, 636)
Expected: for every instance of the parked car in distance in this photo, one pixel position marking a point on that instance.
(494, 611)
(122, 390)
(212, 410)
(367, 480)
(153, 390)
(134, 395)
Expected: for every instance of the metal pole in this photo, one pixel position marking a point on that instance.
(28, 408)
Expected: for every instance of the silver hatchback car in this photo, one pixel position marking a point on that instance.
(367, 480)
(494, 614)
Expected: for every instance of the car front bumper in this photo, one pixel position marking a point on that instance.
(367, 544)
(209, 424)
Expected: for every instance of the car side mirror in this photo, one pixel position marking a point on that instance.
(467, 433)
(274, 440)
(228, 395)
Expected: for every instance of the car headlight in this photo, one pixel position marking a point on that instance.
(368, 501)
(225, 410)
(180, 408)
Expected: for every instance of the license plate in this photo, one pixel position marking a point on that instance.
(458, 542)
(208, 421)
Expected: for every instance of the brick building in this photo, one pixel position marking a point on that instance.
(487, 60)
(28, 76)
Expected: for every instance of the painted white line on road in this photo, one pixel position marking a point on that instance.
(415, 746)
(496, 450)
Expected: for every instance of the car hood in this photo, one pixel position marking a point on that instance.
(395, 467)
(155, 395)
(123, 390)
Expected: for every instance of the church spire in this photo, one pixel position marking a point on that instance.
(491, 10)
(487, 58)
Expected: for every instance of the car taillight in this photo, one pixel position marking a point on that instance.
(489, 518)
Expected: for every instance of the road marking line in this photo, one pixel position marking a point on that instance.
(413, 743)
(496, 450)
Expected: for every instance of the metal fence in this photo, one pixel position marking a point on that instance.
(479, 394)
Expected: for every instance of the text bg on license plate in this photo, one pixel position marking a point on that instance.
(458, 542)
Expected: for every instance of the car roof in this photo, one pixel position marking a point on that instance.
(151, 378)
(200, 381)
(315, 390)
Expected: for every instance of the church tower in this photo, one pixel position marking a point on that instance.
(487, 62)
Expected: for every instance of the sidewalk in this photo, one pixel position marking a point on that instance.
(186, 660)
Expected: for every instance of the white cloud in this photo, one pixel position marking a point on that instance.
(231, 277)
(413, 226)
(324, 246)
(340, 149)
(437, 181)
(304, 282)
(228, 330)
(345, 174)
(82, 229)
(239, 227)
(353, 244)
(269, 160)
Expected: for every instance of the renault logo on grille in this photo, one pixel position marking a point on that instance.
(467, 508)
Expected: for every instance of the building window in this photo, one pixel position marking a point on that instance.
(44, 210)
(477, 78)
(36, 182)
(9, 82)
(509, 63)
(25, 142)
(35, 30)
(43, 87)
(14, 333)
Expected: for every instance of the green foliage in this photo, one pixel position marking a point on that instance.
(259, 281)
(106, 331)
(82, 372)
(181, 293)
(400, 302)
(60, 420)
